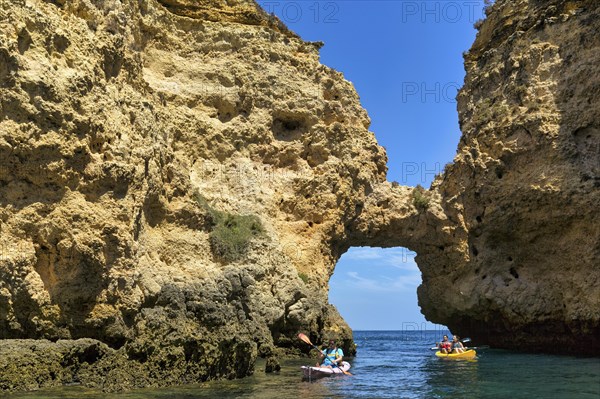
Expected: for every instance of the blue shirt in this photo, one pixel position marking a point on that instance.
(331, 355)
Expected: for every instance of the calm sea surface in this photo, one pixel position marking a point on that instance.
(394, 364)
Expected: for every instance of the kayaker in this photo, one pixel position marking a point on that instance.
(457, 346)
(332, 354)
(445, 346)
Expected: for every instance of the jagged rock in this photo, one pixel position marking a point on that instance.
(524, 186)
(178, 180)
(130, 134)
(32, 364)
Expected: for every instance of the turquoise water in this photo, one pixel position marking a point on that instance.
(394, 364)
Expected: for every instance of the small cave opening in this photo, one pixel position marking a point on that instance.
(288, 127)
(499, 173)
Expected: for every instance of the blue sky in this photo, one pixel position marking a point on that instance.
(405, 59)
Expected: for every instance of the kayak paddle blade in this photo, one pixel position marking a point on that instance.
(304, 338)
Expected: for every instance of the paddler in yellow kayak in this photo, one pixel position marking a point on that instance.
(445, 346)
(457, 346)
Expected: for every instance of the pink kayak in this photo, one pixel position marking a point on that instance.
(319, 372)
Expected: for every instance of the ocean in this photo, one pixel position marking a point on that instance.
(396, 364)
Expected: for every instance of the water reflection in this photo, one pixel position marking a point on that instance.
(451, 378)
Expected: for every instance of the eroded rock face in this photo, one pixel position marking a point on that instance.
(130, 130)
(142, 140)
(524, 187)
(509, 247)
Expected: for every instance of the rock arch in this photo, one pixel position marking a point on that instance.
(507, 238)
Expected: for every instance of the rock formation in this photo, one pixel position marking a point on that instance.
(509, 246)
(525, 185)
(178, 179)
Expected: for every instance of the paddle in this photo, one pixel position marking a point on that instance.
(307, 340)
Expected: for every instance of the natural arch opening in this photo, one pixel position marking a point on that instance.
(376, 289)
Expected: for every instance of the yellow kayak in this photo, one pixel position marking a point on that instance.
(468, 354)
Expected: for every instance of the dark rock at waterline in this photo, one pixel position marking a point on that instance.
(33, 364)
(272, 365)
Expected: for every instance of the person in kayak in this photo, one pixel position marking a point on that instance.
(332, 355)
(445, 346)
(457, 346)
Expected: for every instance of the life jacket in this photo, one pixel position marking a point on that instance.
(330, 355)
(446, 345)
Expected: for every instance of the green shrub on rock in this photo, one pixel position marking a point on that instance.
(231, 234)
(420, 198)
(303, 277)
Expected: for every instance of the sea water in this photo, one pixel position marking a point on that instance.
(397, 364)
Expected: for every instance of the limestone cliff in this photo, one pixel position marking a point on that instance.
(524, 186)
(178, 179)
(509, 247)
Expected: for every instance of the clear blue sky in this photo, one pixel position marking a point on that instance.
(405, 59)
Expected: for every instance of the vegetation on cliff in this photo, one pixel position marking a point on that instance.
(230, 234)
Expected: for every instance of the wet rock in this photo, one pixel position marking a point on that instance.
(272, 365)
